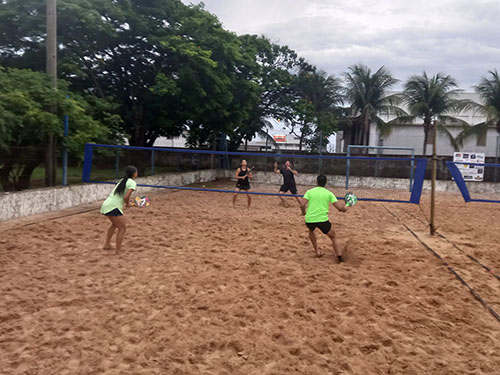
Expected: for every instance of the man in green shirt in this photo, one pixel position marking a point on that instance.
(318, 202)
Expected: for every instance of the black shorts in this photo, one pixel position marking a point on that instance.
(324, 226)
(243, 187)
(285, 188)
(114, 212)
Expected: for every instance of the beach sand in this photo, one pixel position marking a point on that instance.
(205, 288)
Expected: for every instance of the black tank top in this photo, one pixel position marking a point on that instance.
(244, 181)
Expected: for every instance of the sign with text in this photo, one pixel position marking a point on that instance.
(470, 172)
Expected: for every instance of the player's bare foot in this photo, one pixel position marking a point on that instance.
(319, 254)
(108, 247)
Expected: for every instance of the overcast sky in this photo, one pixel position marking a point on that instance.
(457, 37)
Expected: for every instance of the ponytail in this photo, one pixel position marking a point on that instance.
(129, 172)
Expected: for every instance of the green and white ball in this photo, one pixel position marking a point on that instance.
(350, 199)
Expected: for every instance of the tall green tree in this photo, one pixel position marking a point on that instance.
(489, 93)
(25, 97)
(272, 74)
(367, 94)
(434, 98)
(313, 103)
(165, 64)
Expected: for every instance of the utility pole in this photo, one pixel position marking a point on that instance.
(51, 68)
(433, 181)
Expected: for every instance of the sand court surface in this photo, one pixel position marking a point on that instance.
(205, 288)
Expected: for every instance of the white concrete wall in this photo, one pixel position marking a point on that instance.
(32, 202)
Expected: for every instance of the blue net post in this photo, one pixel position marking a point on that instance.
(459, 180)
(412, 168)
(419, 181)
(497, 154)
(87, 162)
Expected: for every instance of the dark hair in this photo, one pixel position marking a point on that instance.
(321, 180)
(129, 172)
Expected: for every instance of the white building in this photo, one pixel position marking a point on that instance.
(412, 135)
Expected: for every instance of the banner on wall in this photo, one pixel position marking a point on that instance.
(470, 172)
(279, 138)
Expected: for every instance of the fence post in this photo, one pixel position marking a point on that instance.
(348, 166)
(65, 152)
(152, 162)
(497, 154)
(411, 169)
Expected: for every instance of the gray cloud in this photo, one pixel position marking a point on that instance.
(457, 37)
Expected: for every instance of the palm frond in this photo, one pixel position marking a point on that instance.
(453, 141)
(445, 119)
(403, 120)
(479, 130)
(384, 128)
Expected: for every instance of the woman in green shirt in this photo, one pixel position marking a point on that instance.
(112, 207)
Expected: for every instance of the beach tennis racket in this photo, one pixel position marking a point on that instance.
(141, 202)
(350, 199)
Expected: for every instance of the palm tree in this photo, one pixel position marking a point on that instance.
(367, 94)
(433, 98)
(315, 101)
(489, 92)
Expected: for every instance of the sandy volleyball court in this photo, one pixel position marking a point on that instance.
(207, 289)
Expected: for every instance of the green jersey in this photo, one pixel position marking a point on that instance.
(318, 204)
(116, 200)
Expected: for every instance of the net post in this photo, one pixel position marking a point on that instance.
(65, 151)
(497, 154)
(348, 166)
(459, 180)
(87, 162)
(152, 162)
(432, 224)
(412, 168)
(419, 181)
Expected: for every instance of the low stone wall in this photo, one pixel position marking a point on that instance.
(32, 202)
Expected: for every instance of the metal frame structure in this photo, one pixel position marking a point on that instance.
(462, 186)
(416, 192)
(348, 168)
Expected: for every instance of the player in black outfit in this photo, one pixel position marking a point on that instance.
(288, 180)
(243, 176)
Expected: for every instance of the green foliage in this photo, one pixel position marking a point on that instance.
(489, 92)
(26, 119)
(311, 106)
(432, 99)
(367, 94)
(151, 68)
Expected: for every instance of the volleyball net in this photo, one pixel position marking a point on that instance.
(188, 169)
(458, 177)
